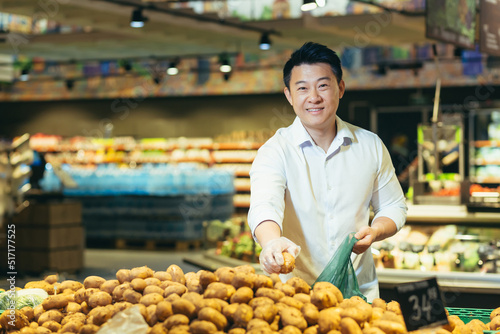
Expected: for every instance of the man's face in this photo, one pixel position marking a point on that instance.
(314, 95)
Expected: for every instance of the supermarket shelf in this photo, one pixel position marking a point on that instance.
(450, 214)
(448, 281)
(486, 162)
(485, 179)
(237, 146)
(487, 143)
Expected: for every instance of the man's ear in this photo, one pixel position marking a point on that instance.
(341, 88)
(288, 95)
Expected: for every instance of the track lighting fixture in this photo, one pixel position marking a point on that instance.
(137, 20)
(225, 67)
(265, 41)
(172, 68)
(308, 5)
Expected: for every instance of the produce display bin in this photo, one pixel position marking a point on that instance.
(468, 314)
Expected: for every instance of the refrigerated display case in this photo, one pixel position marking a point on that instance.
(484, 162)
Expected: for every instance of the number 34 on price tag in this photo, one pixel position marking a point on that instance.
(421, 304)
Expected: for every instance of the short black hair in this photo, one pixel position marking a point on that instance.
(312, 53)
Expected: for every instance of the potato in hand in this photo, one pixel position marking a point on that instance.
(289, 264)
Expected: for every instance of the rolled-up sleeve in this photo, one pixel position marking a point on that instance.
(388, 199)
(268, 182)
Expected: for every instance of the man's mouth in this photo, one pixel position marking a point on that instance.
(314, 109)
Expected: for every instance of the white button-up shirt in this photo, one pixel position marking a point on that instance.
(318, 198)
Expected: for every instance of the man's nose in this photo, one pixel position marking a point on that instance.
(314, 96)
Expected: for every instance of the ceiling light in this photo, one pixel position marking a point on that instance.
(225, 67)
(137, 20)
(25, 74)
(172, 69)
(308, 5)
(265, 41)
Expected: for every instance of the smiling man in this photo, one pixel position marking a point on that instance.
(313, 182)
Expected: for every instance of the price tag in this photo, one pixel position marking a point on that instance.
(421, 304)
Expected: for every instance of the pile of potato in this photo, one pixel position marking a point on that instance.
(230, 300)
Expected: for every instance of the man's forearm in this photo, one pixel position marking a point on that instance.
(266, 231)
(385, 228)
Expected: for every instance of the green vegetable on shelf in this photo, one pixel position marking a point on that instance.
(22, 298)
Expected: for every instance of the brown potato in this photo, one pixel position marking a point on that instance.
(177, 274)
(157, 329)
(208, 302)
(141, 272)
(162, 276)
(88, 329)
(495, 313)
(377, 313)
(219, 290)
(388, 315)
(193, 297)
(389, 326)
(123, 275)
(349, 326)
(176, 288)
(310, 313)
(194, 285)
(51, 279)
(52, 325)
(109, 285)
(263, 281)
(28, 312)
(74, 317)
(15, 320)
(225, 275)
(311, 330)
(202, 327)
(209, 314)
(379, 302)
(330, 287)
(176, 320)
(153, 289)
(290, 330)
(291, 316)
(184, 306)
(150, 299)
(50, 315)
(100, 299)
(152, 281)
(329, 319)
(259, 301)
(265, 312)
(242, 295)
(172, 298)
(287, 289)
(302, 297)
(290, 301)
(495, 323)
(25, 330)
(299, 284)
(237, 330)
(289, 263)
(138, 284)
(207, 277)
(163, 310)
(372, 330)
(55, 302)
(69, 284)
(73, 308)
(361, 313)
(394, 306)
(93, 282)
(241, 279)
(181, 329)
(37, 311)
(72, 327)
(274, 294)
(132, 296)
(243, 315)
(151, 317)
(477, 326)
(85, 308)
(119, 291)
(323, 299)
(257, 323)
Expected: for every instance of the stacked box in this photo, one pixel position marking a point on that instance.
(49, 237)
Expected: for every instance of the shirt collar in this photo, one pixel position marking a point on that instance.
(301, 136)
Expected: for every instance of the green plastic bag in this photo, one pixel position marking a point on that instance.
(340, 272)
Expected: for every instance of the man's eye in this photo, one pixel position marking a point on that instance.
(323, 85)
(301, 88)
